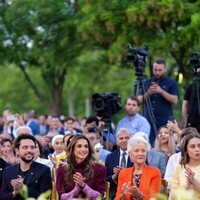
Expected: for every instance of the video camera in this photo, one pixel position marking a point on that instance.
(138, 58)
(106, 105)
(194, 63)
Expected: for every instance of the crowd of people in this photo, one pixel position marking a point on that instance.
(75, 158)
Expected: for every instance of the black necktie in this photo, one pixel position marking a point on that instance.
(123, 161)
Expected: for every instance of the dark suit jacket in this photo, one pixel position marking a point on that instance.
(3, 165)
(38, 179)
(112, 160)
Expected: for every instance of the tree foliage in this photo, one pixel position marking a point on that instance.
(86, 41)
(43, 36)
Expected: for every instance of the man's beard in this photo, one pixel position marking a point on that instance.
(131, 114)
(27, 160)
(157, 79)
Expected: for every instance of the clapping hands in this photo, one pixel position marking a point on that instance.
(79, 179)
(17, 183)
(133, 190)
(190, 177)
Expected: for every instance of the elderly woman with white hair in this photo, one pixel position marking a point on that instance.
(154, 158)
(140, 181)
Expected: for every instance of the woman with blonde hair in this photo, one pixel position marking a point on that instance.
(165, 142)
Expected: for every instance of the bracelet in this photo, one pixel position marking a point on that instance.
(82, 186)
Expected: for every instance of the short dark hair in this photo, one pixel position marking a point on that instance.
(23, 137)
(91, 119)
(94, 130)
(69, 119)
(133, 98)
(160, 61)
(55, 116)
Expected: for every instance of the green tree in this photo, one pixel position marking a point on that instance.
(87, 41)
(16, 93)
(40, 34)
(170, 28)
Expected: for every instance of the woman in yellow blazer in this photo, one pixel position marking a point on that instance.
(186, 175)
(140, 181)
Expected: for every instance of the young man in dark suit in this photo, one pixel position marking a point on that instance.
(36, 176)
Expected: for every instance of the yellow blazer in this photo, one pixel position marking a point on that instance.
(150, 182)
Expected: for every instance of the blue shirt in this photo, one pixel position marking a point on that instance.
(162, 109)
(104, 153)
(134, 124)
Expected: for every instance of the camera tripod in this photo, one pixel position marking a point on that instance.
(139, 87)
(108, 132)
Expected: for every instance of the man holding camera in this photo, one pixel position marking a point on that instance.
(162, 92)
(191, 103)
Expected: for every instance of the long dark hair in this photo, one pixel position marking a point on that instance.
(89, 161)
(184, 153)
(41, 148)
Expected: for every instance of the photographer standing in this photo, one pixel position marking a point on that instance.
(191, 103)
(162, 92)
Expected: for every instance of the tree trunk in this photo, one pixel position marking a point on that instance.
(56, 91)
(71, 111)
(56, 99)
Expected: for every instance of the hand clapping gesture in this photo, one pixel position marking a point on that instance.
(132, 190)
(79, 179)
(190, 177)
(17, 184)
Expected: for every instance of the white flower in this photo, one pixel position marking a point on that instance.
(98, 147)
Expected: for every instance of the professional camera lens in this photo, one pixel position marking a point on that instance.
(106, 104)
(99, 104)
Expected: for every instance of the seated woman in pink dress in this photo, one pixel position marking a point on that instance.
(81, 177)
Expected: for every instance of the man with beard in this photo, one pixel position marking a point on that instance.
(36, 176)
(162, 93)
(133, 121)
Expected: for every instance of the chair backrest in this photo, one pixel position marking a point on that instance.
(107, 193)
(164, 184)
(54, 194)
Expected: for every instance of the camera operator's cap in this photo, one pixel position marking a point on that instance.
(59, 136)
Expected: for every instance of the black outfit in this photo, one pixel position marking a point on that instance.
(3, 165)
(161, 108)
(193, 112)
(37, 179)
